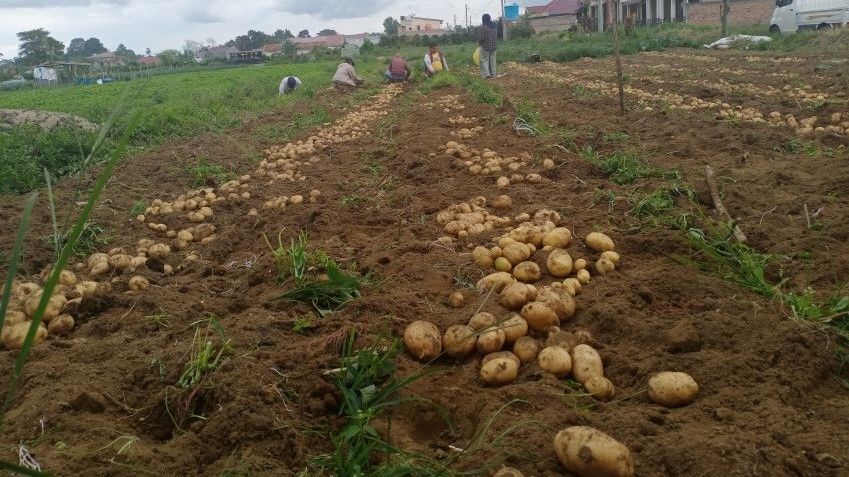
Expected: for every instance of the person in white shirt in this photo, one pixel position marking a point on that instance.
(289, 84)
(434, 60)
(346, 77)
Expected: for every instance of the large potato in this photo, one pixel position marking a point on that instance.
(54, 305)
(61, 325)
(612, 256)
(559, 300)
(422, 340)
(557, 238)
(588, 452)
(495, 281)
(13, 336)
(13, 317)
(586, 363)
(559, 263)
(599, 242)
(555, 360)
(491, 340)
(515, 295)
(459, 341)
(508, 472)
(482, 256)
(600, 388)
(481, 321)
(527, 272)
(672, 389)
(499, 368)
(539, 316)
(526, 349)
(515, 252)
(514, 328)
(604, 265)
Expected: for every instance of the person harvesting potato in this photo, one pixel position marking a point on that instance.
(346, 78)
(434, 61)
(488, 41)
(288, 84)
(398, 71)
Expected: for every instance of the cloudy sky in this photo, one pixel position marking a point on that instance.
(161, 24)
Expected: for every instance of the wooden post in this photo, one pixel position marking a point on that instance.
(617, 51)
(723, 16)
(503, 22)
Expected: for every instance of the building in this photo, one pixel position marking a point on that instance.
(306, 45)
(248, 56)
(650, 12)
(743, 12)
(412, 25)
(557, 15)
(215, 52)
(149, 60)
(272, 49)
(106, 60)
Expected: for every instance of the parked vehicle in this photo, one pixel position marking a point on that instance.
(791, 16)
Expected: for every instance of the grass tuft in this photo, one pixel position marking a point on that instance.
(92, 236)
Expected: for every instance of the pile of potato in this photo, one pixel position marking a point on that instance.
(282, 201)
(461, 120)
(472, 218)
(488, 162)
(448, 103)
(467, 133)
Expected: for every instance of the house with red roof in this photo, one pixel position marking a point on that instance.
(557, 15)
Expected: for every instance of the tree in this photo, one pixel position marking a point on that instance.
(210, 42)
(367, 46)
(327, 32)
(390, 26)
(147, 51)
(290, 49)
(37, 46)
(258, 38)
(724, 10)
(190, 47)
(125, 53)
(169, 57)
(283, 34)
(304, 34)
(93, 46)
(76, 48)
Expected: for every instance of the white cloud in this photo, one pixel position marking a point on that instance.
(57, 3)
(200, 14)
(333, 9)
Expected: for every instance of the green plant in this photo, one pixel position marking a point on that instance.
(735, 261)
(159, 319)
(626, 168)
(796, 146)
(616, 136)
(528, 114)
(660, 201)
(203, 170)
(303, 323)
(138, 208)
(92, 236)
(604, 196)
(205, 355)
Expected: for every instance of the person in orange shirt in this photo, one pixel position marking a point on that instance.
(434, 61)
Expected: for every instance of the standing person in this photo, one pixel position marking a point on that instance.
(434, 60)
(289, 84)
(398, 69)
(346, 77)
(488, 41)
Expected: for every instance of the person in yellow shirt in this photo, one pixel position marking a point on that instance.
(434, 60)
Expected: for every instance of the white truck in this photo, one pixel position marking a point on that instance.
(791, 16)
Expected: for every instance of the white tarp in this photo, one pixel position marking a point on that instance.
(44, 74)
(728, 42)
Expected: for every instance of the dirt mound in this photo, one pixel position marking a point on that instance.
(44, 119)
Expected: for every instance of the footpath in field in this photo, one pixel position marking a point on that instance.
(406, 187)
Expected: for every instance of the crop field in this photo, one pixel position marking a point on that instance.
(439, 278)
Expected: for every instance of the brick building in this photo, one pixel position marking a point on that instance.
(557, 15)
(743, 12)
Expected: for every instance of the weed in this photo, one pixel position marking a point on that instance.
(626, 168)
(205, 356)
(660, 201)
(204, 170)
(735, 261)
(612, 137)
(464, 277)
(566, 138)
(92, 236)
(138, 208)
(160, 368)
(159, 319)
(375, 168)
(796, 146)
(528, 114)
(303, 323)
(604, 196)
(581, 92)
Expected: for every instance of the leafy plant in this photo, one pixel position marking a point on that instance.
(205, 356)
(626, 168)
(138, 208)
(204, 170)
(303, 323)
(660, 201)
(92, 236)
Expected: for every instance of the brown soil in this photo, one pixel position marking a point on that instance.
(44, 119)
(770, 402)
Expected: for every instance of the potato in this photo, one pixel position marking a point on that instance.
(100, 268)
(120, 262)
(586, 363)
(13, 336)
(13, 317)
(579, 264)
(502, 182)
(502, 202)
(559, 263)
(67, 278)
(583, 276)
(600, 388)
(672, 389)
(456, 300)
(481, 321)
(559, 300)
(96, 258)
(612, 256)
(495, 281)
(459, 341)
(539, 316)
(527, 272)
(526, 349)
(599, 242)
(514, 328)
(555, 360)
(515, 295)
(61, 325)
(54, 305)
(422, 340)
(557, 238)
(138, 283)
(588, 452)
(499, 368)
(503, 265)
(573, 285)
(482, 256)
(491, 340)
(604, 265)
(515, 252)
(508, 472)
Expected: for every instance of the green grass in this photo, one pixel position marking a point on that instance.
(92, 237)
(625, 167)
(204, 170)
(481, 90)
(528, 113)
(797, 146)
(206, 355)
(138, 208)
(159, 319)
(661, 201)
(282, 132)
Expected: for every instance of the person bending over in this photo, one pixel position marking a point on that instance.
(289, 84)
(434, 61)
(346, 78)
(398, 70)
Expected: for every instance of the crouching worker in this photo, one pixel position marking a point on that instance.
(434, 61)
(289, 84)
(398, 70)
(346, 78)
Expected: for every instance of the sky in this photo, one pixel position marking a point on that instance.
(162, 24)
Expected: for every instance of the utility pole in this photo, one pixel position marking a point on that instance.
(600, 15)
(504, 22)
(467, 15)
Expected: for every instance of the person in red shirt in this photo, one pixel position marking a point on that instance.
(398, 70)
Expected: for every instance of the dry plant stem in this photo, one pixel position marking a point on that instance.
(807, 216)
(718, 205)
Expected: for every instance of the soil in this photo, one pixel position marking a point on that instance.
(770, 401)
(44, 119)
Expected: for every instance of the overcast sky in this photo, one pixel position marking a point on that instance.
(161, 24)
